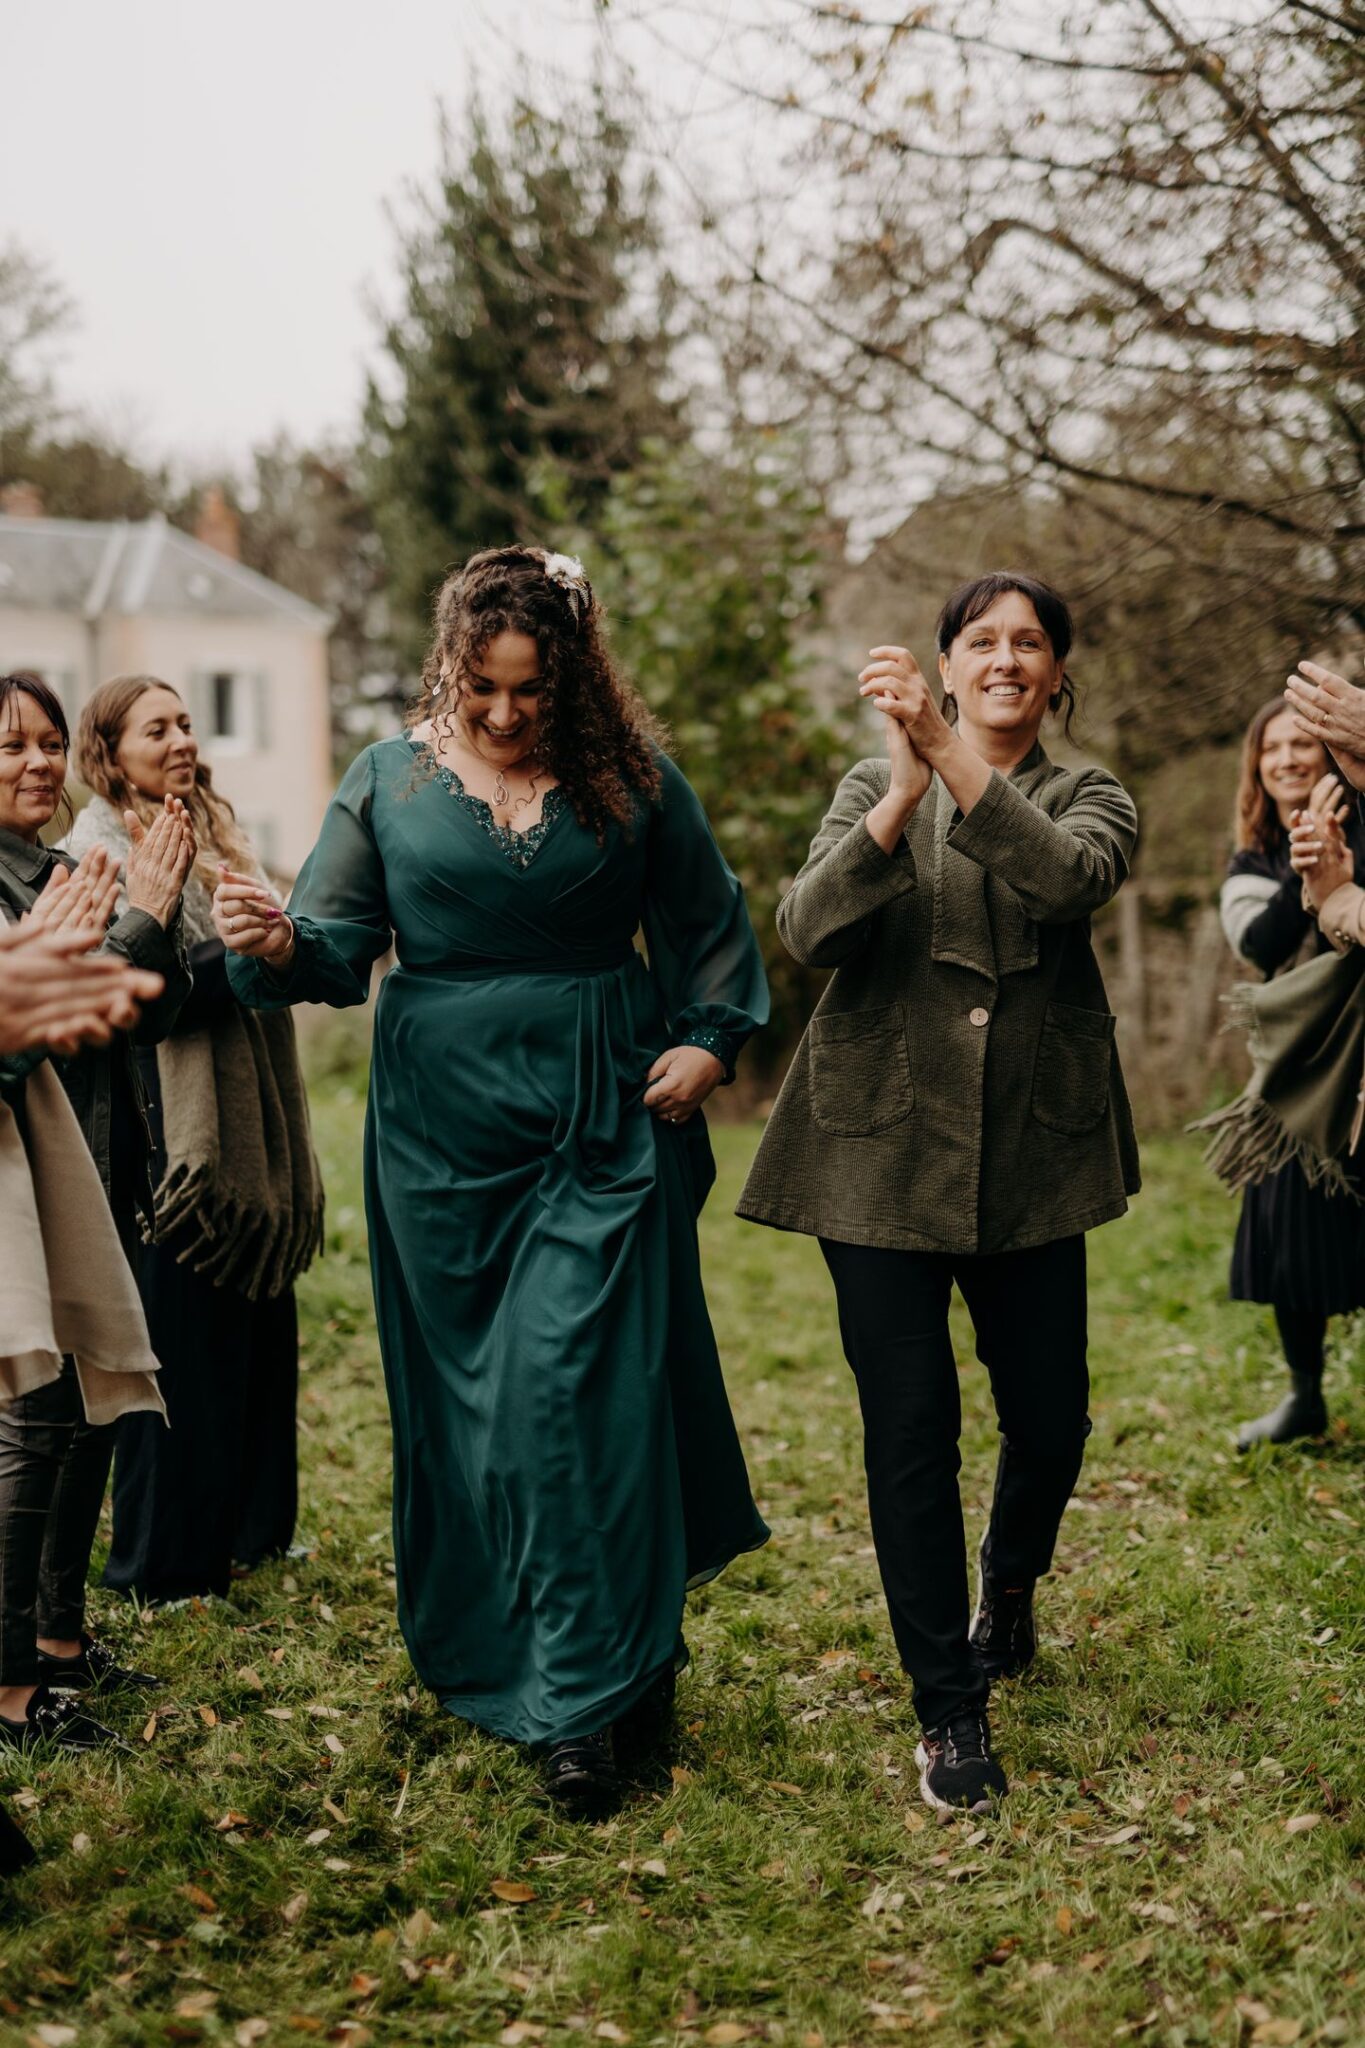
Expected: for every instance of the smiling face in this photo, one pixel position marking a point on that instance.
(1002, 672)
(499, 704)
(1291, 762)
(32, 766)
(157, 751)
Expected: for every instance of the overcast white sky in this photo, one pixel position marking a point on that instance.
(209, 184)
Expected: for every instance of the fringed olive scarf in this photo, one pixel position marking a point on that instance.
(242, 1194)
(1306, 1096)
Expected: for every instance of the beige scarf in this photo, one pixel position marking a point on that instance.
(67, 1285)
(242, 1188)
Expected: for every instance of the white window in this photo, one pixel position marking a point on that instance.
(229, 708)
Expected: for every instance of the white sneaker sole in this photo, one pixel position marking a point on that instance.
(931, 1798)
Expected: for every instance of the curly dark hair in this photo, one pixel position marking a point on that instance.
(596, 734)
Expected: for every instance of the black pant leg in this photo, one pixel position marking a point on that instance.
(893, 1318)
(36, 1436)
(72, 1521)
(1029, 1312)
(268, 1466)
(176, 1489)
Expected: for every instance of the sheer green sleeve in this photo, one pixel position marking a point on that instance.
(339, 909)
(702, 949)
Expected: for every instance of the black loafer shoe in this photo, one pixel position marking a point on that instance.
(54, 1718)
(580, 1776)
(1003, 1638)
(94, 1667)
(643, 1731)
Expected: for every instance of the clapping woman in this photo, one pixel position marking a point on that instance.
(238, 1198)
(1299, 1247)
(55, 1438)
(565, 1463)
(956, 1113)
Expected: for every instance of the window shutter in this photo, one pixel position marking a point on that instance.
(199, 703)
(261, 689)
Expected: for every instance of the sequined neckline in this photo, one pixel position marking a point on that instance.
(520, 848)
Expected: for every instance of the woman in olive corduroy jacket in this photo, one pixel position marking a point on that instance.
(956, 1112)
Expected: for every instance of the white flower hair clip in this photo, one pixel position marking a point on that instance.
(572, 578)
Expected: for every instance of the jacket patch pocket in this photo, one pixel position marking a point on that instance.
(1071, 1074)
(859, 1074)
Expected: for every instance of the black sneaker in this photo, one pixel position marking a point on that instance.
(16, 1850)
(580, 1776)
(1002, 1636)
(643, 1730)
(957, 1772)
(55, 1718)
(94, 1667)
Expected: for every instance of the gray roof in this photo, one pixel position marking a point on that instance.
(92, 567)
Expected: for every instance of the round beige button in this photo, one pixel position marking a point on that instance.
(979, 1016)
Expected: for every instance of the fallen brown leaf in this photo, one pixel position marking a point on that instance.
(197, 1896)
(419, 1929)
(208, 1717)
(511, 1891)
(295, 1909)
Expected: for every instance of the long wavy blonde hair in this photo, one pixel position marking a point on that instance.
(98, 733)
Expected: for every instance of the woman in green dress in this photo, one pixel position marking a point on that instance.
(565, 1461)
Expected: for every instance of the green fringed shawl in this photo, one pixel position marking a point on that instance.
(1303, 1101)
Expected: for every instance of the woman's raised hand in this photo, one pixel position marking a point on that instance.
(1318, 851)
(79, 899)
(1332, 711)
(248, 920)
(159, 860)
(56, 992)
(896, 686)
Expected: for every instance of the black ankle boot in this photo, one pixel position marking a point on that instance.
(1002, 1636)
(1303, 1412)
(580, 1775)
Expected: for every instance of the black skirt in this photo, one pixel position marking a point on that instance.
(1298, 1247)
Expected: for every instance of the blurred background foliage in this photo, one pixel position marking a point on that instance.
(1105, 324)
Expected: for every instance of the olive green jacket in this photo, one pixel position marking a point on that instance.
(958, 1087)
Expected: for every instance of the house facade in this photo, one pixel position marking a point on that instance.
(83, 600)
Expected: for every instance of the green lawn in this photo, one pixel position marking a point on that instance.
(303, 1845)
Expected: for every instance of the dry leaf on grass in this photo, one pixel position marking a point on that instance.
(419, 1929)
(232, 1820)
(197, 2005)
(279, 1713)
(654, 1866)
(519, 2031)
(81, 1845)
(607, 2030)
(208, 1717)
(248, 2032)
(197, 1896)
(295, 1909)
(1065, 1920)
(777, 1868)
(334, 1743)
(725, 2032)
(330, 1806)
(511, 1891)
(1119, 1837)
(1277, 2033)
(781, 1785)
(1301, 1823)
(53, 2037)
(248, 1675)
(149, 1728)
(318, 1836)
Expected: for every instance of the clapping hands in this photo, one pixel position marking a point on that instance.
(1332, 711)
(55, 991)
(160, 859)
(1317, 842)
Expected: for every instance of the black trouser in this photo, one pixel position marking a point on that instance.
(1029, 1313)
(53, 1468)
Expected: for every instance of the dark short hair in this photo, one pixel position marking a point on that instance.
(26, 683)
(976, 596)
